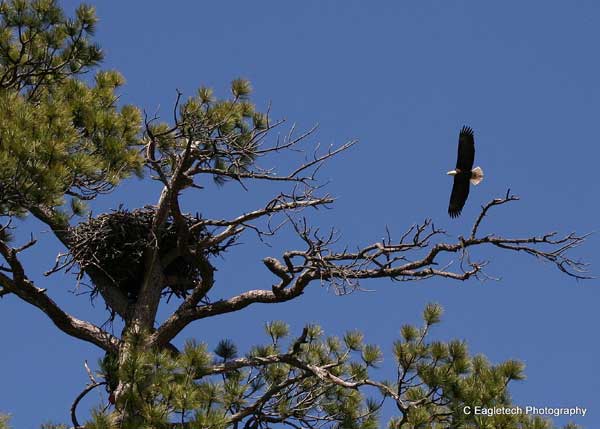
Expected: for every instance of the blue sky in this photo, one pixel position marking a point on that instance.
(402, 78)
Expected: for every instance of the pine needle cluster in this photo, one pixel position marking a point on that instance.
(221, 135)
(313, 381)
(59, 134)
(4, 421)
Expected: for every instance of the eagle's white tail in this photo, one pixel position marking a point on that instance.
(476, 175)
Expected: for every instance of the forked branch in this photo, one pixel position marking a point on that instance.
(414, 256)
(19, 284)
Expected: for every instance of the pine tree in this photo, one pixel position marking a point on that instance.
(64, 140)
(4, 420)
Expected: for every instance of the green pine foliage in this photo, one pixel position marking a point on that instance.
(276, 383)
(221, 135)
(62, 135)
(4, 420)
(59, 134)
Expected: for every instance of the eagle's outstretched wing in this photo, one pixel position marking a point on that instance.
(460, 192)
(464, 164)
(466, 149)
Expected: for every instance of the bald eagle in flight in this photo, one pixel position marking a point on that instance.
(464, 173)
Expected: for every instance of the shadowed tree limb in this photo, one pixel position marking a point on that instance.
(183, 316)
(24, 288)
(78, 399)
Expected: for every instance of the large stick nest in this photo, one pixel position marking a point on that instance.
(114, 243)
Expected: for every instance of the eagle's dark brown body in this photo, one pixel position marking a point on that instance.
(464, 174)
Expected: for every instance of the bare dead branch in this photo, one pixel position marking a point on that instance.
(89, 372)
(484, 209)
(274, 206)
(386, 259)
(258, 174)
(317, 160)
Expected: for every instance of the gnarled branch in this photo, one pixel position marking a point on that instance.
(24, 288)
(401, 260)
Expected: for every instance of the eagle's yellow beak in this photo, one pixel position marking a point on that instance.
(452, 173)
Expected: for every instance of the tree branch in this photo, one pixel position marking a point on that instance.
(24, 288)
(79, 397)
(484, 209)
(183, 316)
(268, 394)
(322, 372)
(272, 207)
(383, 259)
